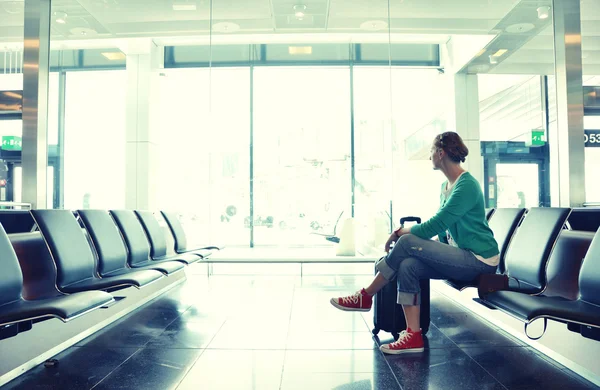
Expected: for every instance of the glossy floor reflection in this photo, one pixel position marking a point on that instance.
(280, 332)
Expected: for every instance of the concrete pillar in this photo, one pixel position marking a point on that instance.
(466, 114)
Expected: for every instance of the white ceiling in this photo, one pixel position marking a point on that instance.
(156, 18)
(433, 21)
(536, 55)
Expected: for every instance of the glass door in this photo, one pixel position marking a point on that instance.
(517, 185)
(515, 175)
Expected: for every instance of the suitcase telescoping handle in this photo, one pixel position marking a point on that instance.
(409, 219)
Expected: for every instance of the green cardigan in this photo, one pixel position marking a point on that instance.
(463, 214)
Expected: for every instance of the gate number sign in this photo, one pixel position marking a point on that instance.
(592, 138)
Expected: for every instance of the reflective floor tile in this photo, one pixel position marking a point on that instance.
(448, 368)
(357, 361)
(78, 368)
(235, 369)
(134, 330)
(339, 381)
(260, 333)
(186, 335)
(523, 368)
(151, 369)
(467, 330)
(311, 339)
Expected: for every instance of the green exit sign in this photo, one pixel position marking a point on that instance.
(11, 142)
(537, 138)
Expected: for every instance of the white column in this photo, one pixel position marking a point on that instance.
(569, 136)
(36, 57)
(143, 58)
(466, 113)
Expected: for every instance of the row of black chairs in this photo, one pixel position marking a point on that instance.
(95, 252)
(553, 271)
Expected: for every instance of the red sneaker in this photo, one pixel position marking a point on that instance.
(408, 342)
(361, 301)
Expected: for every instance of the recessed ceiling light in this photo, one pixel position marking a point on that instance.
(83, 31)
(374, 25)
(184, 5)
(299, 11)
(60, 17)
(519, 28)
(225, 27)
(13, 7)
(299, 50)
(500, 53)
(114, 55)
(543, 12)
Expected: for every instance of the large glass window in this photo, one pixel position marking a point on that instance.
(373, 156)
(301, 153)
(392, 182)
(204, 143)
(419, 105)
(94, 148)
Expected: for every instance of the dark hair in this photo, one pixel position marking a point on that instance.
(453, 145)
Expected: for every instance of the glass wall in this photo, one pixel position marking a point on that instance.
(304, 126)
(94, 140)
(302, 129)
(271, 124)
(204, 147)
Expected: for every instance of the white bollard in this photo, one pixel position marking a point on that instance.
(347, 245)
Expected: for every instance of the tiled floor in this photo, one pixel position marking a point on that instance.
(244, 332)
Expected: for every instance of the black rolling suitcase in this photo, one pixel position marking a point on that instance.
(388, 315)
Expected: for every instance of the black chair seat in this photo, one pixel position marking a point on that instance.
(74, 259)
(165, 267)
(112, 282)
(185, 258)
(178, 232)
(203, 252)
(527, 308)
(460, 284)
(64, 307)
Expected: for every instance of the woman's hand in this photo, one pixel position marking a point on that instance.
(393, 238)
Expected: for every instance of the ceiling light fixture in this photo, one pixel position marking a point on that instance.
(13, 7)
(225, 27)
(543, 12)
(114, 55)
(83, 31)
(499, 53)
(299, 11)
(519, 28)
(60, 17)
(373, 25)
(299, 50)
(184, 5)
